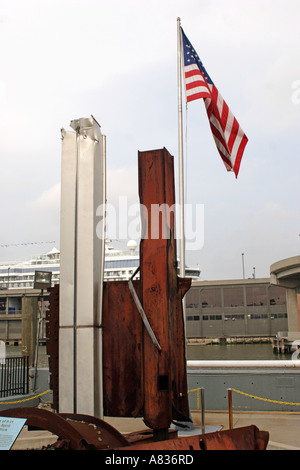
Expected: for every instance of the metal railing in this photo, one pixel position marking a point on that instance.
(264, 364)
(200, 393)
(14, 376)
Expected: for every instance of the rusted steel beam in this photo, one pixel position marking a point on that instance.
(52, 342)
(244, 438)
(145, 436)
(122, 351)
(52, 422)
(74, 431)
(165, 390)
(130, 386)
(98, 434)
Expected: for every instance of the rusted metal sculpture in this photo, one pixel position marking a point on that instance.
(82, 432)
(143, 326)
(244, 438)
(144, 363)
(165, 381)
(74, 431)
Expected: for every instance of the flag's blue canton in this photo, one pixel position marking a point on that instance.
(191, 57)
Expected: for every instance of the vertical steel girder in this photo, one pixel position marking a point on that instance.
(52, 334)
(141, 377)
(164, 371)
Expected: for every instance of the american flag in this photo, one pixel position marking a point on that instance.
(228, 135)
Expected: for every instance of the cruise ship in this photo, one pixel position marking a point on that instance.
(118, 266)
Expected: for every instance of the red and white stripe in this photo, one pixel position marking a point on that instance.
(195, 83)
(229, 137)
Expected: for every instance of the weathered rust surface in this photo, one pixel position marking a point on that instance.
(139, 379)
(122, 351)
(52, 334)
(97, 434)
(165, 384)
(74, 431)
(146, 436)
(244, 438)
(83, 432)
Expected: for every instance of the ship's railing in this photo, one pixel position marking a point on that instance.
(227, 364)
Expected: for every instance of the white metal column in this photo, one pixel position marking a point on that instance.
(81, 268)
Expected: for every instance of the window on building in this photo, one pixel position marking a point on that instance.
(212, 317)
(192, 298)
(257, 316)
(256, 296)
(210, 297)
(2, 306)
(14, 305)
(233, 296)
(234, 317)
(277, 295)
(193, 318)
(278, 315)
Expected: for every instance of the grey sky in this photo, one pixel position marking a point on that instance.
(116, 60)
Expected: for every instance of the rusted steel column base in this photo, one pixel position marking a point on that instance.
(160, 435)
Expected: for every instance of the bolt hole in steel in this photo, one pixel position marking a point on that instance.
(202, 445)
(163, 383)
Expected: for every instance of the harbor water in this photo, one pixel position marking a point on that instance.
(280, 386)
(231, 352)
(220, 351)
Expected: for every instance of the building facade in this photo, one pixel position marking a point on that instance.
(248, 307)
(214, 309)
(14, 304)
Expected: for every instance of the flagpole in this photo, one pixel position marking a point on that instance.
(188, 424)
(180, 151)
